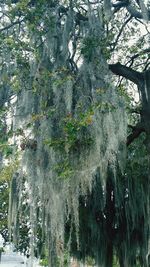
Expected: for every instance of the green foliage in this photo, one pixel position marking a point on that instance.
(105, 106)
(123, 93)
(88, 45)
(90, 261)
(73, 126)
(71, 131)
(115, 262)
(44, 262)
(7, 171)
(64, 169)
(64, 261)
(4, 200)
(6, 149)
(56, 143)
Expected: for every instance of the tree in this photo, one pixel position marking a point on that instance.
(70, 126)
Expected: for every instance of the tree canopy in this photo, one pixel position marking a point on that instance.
(75, 128)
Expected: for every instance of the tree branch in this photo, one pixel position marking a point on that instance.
(119, 5)
(147, 50)
(120, 32)
(11, 25)
(126, 72)
(136, 131)
(132, 9)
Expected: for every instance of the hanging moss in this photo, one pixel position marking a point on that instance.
(75, 141)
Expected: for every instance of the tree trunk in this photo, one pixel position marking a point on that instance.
(110, 214)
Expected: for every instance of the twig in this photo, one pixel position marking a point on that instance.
(147, 50)
(120, 32)
(11, 25)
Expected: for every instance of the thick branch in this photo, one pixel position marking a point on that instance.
(136, 131)
(136, 14)
(126, 72)
(119, 5)
(132, 9)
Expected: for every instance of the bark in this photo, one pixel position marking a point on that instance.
(134, 12)
(136, 131)
(110, 215)
(127, 72)
(142, 80)
(109, 255)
